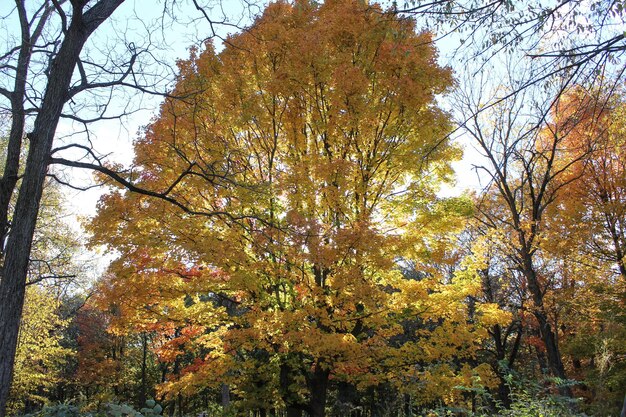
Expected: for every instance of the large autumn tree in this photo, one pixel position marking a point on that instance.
(588, 220)
(311, 150)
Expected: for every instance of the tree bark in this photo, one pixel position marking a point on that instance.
(16, 134)
(143, 389)
(318, 388)
(19, 242)
(545, 329)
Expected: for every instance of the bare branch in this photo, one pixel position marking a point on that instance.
(117, 177)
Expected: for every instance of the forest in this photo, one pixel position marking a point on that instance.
(326, 208)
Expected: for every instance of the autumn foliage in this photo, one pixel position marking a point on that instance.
(282, 245)
(307, 155)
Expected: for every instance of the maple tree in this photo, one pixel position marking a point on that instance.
(306, 255)
(596, 198)
(311, 150)
(589, 220)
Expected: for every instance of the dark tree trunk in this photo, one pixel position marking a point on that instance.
(143, 390)
(318, 389)
(408, 407)
(175, 371)
(548, 336)
(225, 394)
(500, 346)
(16, 134)
(293, 404)
(19, 242)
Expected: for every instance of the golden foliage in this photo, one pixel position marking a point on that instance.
(314, 142)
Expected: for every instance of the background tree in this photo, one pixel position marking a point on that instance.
(588, 217)
(526, 169)
(41, 356)
(597, 198)
(113, 365)
(574, 41)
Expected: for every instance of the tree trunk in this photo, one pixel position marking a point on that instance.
(14, 270)
(318, 387)
(545, 329)
(143, 389)
(225, 392)
(16, 134)
(407, 405)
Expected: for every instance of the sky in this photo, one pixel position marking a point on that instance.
(132, 21)
(139, 23)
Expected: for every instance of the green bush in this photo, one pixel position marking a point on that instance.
(152, 409)
(57, 410)
(529, 404)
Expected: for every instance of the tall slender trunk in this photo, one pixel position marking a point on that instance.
(407, 406)
(143, 389)
(14, 270)
(16, 134)
(225, 394)
(18, 245)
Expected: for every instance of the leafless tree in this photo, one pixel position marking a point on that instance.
(582, 40)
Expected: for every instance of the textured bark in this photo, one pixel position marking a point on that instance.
(16, 134)
(20, 238)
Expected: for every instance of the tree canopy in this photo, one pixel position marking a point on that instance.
(312, 150)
